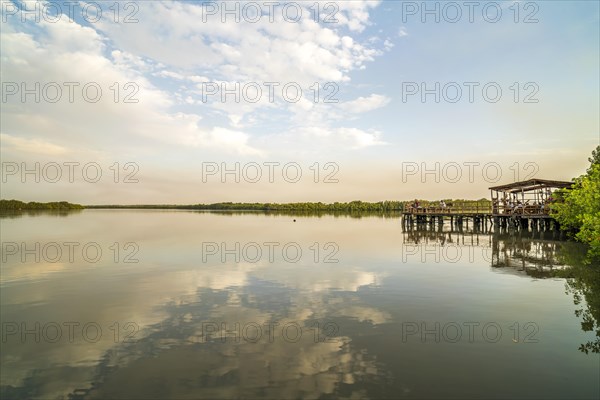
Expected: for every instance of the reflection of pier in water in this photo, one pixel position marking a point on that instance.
(534, 253)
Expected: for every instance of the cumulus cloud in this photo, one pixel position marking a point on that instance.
(365, 104)
(198, 43)
(152, 78)
(148, 119)
(186, 36)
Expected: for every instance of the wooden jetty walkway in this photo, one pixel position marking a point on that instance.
(520, 204)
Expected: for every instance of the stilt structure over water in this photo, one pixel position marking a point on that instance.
(525, 203)
(520, 204)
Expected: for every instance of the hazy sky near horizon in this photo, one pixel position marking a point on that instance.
(382, 99)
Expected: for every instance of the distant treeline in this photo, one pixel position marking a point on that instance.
(337, 207)
(353, 206)
(16, 205)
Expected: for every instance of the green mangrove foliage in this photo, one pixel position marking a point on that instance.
(307, 207)
(578, 208)
(16, 205)
(353, 206)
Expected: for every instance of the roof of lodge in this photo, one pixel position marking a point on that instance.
(531, 184)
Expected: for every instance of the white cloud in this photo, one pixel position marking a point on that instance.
(345, 138)
(304, 52)
(64, 44)
(360, 138)
(35, 146)
(365, 104)
(170, 42)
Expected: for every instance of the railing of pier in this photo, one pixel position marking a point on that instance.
(455, 208)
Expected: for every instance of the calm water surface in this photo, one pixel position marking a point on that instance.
(169, 304)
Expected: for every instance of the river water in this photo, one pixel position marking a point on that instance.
(180, 304)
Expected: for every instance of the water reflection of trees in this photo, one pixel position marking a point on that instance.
(546, 258)
(12, 214)
(537, 254)
(583, 282)
(307, 214)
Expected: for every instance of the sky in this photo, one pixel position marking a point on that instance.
(148, 102)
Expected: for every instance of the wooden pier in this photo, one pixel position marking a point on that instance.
(459, 215)
(520, 205)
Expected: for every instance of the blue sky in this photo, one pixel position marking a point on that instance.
(373, 54)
